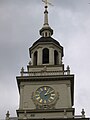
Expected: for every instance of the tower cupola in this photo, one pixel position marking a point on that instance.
(46, 30)
(46, 50)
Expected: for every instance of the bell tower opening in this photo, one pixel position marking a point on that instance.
(45, 55)
(56, 58)
(35, 58)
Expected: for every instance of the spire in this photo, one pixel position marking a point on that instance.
(46, 31)
(46, 17)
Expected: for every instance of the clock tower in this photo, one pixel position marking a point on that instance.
(46, 89)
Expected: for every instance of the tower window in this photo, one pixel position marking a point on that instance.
(45, 34)
(35, 58)
(56, 58)
(45, 56)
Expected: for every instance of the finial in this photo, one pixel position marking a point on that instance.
(22, 71)
(30, 63)
(46, 2)
(25, 115)
(68, 70)
(83, 113)
(7, 115)
(46, 13)
(65, 113)
(46, 31)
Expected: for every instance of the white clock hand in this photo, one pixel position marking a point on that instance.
(47, 93)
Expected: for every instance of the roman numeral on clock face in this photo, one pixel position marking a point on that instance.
(52, 98)
(37, 95)
(45, 88)
(41, 89)
(52, 95)
(44, 101)
(40, 100)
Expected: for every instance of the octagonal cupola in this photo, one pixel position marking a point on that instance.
(46, 50)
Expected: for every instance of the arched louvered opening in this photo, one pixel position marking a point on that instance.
(35, 58)
(56, 58)
(45, 55)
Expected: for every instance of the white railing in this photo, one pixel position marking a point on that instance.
(44, 73)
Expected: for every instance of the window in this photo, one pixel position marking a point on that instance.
(49, 34)
(42, 34)
(45, 56)
(35, 58)
(56, 59)
(45, 34)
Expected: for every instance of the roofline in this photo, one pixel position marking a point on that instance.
(41, 43)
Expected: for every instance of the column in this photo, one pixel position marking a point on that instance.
(60, 58)
(51, 56)
(39, 59)
(32, 58)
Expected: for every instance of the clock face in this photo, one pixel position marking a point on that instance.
(45, 95)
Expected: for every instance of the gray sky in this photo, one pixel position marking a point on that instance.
(20, 21)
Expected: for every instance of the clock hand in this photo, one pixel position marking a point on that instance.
(47, 93)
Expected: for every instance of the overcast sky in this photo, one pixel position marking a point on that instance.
(20, 22)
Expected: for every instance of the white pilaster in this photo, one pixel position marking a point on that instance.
(39, 59)
(60, 58)
(32, 58)
(21, 96)
(51, 56)
(69, 95)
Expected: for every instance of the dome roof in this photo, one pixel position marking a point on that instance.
(46, 39)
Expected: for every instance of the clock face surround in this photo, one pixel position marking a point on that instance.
(45, 95)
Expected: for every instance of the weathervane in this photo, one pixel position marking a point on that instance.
(46, 2)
